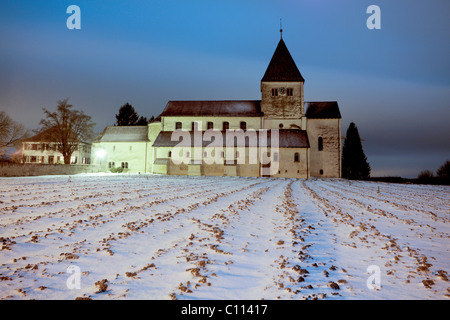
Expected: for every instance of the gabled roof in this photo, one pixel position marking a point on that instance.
(282, 67)
(47, 136)
(288, 138)
(322, 110)
(242, 108)
(123, 134)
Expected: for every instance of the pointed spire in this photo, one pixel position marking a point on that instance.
(282, 67)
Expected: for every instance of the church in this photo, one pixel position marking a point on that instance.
(280, 135)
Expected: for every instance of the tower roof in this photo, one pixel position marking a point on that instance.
(282, 67)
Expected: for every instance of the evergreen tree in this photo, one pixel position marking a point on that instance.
(127, 116)
(444, 171)
(354, 161)
(142, 121)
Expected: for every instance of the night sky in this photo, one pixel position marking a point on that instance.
(393, 83)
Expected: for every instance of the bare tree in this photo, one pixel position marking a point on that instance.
(67, 127)
(11, 133)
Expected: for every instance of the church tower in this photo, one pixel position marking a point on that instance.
(282, 88)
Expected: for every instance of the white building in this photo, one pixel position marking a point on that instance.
(308, 134)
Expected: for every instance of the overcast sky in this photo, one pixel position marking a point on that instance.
(393, 83)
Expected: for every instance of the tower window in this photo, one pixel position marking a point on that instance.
(178, 125)
(289, 92)
(296, 157)
(274, 92)
(320, 143)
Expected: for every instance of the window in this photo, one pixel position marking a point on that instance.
(296, 157)
(188, 154)
(274, 92)
(320, 143)
(34, 146)
(131, 148)
(51, 159)
(275, 156)
(124, 165)
(280, 126)
(111, 165)
(226, 125)
(237, 154)
(205, 154)
(210, 125)
(321, 171)
(243, 125)
(33, 159)
(178, 125)
(114, 148)
(170, 154)
(194, 126)
(289, 92)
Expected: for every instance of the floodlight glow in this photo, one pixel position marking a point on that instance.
(100, 153)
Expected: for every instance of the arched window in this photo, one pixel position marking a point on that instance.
(243, 125)
(320, 144)
(226, 125)
(178, 125)
(296, 157)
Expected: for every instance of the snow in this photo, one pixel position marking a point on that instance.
(177, 237)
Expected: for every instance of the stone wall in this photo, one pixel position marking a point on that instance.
(325, 163)
(22, 170)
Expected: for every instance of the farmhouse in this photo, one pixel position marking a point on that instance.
(280, 135)
(40, 149)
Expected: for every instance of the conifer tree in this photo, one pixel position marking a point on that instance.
(127, 116)
(354, 161)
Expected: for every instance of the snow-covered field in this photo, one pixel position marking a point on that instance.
(173, 237)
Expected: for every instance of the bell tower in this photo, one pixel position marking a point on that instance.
(282, 86)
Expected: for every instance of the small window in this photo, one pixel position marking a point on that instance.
(296, 157)
(205, 154)
(188, 154)
(321, 171)
(210, 125)
(170, 154)
(114, 148)
(243, 125)
(320, 143)
(274, 92)
(226, 125)
(124, 165)
(178, 125)
(280, 126)
(289, 92)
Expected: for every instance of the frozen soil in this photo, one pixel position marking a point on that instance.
(175, 237)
